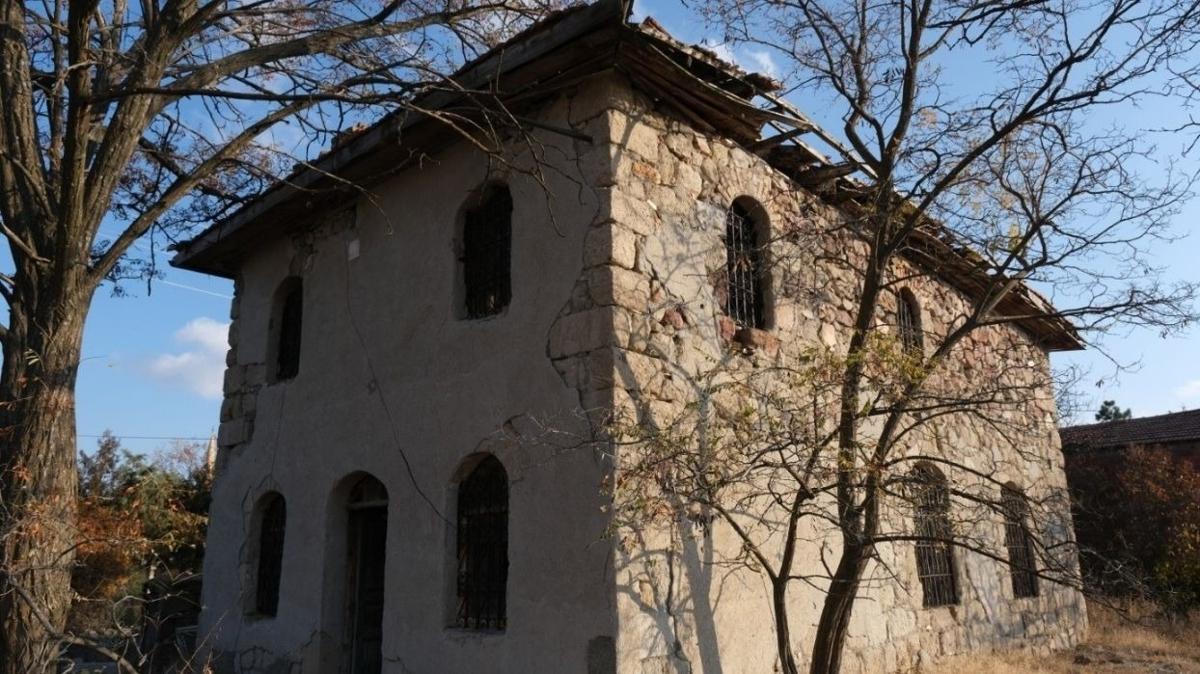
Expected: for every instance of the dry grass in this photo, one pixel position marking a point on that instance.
(1138, 642)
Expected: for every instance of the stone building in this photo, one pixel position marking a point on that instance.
(410, 477)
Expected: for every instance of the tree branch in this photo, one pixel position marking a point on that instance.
(21, 244)
(184, 184)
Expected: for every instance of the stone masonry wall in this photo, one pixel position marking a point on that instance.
(685, 605)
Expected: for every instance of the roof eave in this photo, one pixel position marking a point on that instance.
(201, 253)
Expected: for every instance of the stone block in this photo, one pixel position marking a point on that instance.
(609, 243)
(249, 404)
(256, 374)
(758, 340)
(726, 328)
(625, 208)
(234, 379)
(688, 180)
(611, 285)
(828, 334)
(230, 407)
(635, 136)
(580, 332)
(234, 432)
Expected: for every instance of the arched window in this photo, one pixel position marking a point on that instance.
(272, 526)
(1022, 565)
(483, 547)
(287, 319)
(908, 321)
(487, 253)
(935, 549)
(746, 300)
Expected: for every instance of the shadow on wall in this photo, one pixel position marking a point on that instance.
(680, 636)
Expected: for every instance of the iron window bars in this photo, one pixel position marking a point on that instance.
(270, 555)
(745, 301)
(487, 254)
(935, 551)
(908, 319)
(483, 547)
(1022, 565)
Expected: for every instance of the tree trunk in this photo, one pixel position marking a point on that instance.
(38, 479)
(783, 632)
(835, 614)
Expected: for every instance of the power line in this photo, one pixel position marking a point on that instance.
(120, 436)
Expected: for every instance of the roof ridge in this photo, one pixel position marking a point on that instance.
(1100, 424)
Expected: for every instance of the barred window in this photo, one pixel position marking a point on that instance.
(908, 320)
(745, 302)
(483, 547)
(487, 253)
(287, 319)
(270, 554)
(935, 549)
(1022, 565)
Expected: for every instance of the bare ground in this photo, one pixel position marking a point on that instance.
(1137, 644)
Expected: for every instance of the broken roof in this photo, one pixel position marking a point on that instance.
(1157, 430)
(709, 93)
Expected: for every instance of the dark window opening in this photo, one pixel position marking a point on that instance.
(908, 320)
(745, 302)
(483, 547)
(270, 555)
(367, 557)
(935, 548)
(487, 254)
(290, 317)
(1022, 564)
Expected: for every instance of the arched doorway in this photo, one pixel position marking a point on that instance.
(366, 557)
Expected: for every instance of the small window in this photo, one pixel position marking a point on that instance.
(483, 547)
(935, 547)
(487, 253)
(1022, 564)
(908, 320)
(288, 322)
(270, 554)
(745, 301)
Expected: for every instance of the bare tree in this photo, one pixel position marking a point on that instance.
(1015, 185)
(133, 122)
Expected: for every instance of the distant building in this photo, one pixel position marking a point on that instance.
(1178, 432)
(386, 500)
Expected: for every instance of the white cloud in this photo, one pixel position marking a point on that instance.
(199, 369)
(757, 60)
(1189, 391)
(721, 49)
(763, 62)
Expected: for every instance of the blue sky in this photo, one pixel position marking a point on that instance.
(153, 362)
